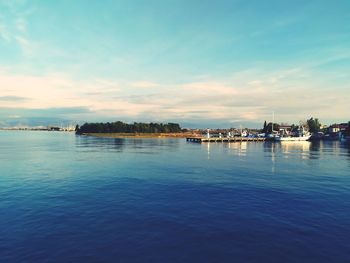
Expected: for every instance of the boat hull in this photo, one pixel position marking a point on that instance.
(345, 139)
(292, 139)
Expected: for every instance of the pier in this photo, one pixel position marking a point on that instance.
(230, 139)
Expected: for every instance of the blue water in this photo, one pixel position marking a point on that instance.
(65, 198)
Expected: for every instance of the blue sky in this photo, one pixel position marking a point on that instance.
(200, 63)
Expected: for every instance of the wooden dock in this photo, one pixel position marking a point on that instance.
(217, 139)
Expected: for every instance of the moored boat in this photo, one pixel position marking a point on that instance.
(300, 135)
(291, 138)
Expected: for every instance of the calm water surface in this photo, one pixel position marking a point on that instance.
(65, 198)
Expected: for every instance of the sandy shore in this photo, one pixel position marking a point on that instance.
(142, 135)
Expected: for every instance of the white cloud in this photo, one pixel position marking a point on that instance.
(144, 84)
(14, 116)
(27, 47)
(4, 34)
(21, 25)
(251, 97)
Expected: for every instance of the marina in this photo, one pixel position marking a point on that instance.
(231, 139)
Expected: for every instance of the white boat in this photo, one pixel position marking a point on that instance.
(300, 135)
(294, 139)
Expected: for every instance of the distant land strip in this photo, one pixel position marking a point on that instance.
(122, 127)
(142, 135)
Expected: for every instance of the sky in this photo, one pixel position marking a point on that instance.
(200, 63)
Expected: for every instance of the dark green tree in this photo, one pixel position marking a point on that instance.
(265, 125)
(348, 129)
(121, 127)
(294, 128)
(313, 125)
(270, 128)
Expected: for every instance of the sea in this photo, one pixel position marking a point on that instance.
(68, 198)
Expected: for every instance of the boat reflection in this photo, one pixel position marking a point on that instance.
(306, 149)
(301, 148)
(208, 150)
(291, 149)
(239, 148)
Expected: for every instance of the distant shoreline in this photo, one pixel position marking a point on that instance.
(141, 135)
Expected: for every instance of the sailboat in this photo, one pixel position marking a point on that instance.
(274, 134)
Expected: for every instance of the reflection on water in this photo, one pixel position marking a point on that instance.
(307, 150)
(241, 148)
(90, 143)
(137, 199)
(42, 141)
(144, 145)
(208, 150)
(289, 149)
(274, 157)
(281, 152)
(236, 148)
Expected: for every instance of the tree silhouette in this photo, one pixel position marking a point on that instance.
(121, 127)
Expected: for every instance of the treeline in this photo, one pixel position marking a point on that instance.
(121, 127)
(313, 125)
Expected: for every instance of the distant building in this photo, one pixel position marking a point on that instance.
(343, 126)
(285, 127)
(54, 128)
(334, 128)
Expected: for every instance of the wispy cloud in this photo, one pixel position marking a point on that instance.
(14, 27)
(144, 84)
(27, 46)
(238, 98)
(21, 25)
(223, 66)
(13, 98)
(4, 35)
